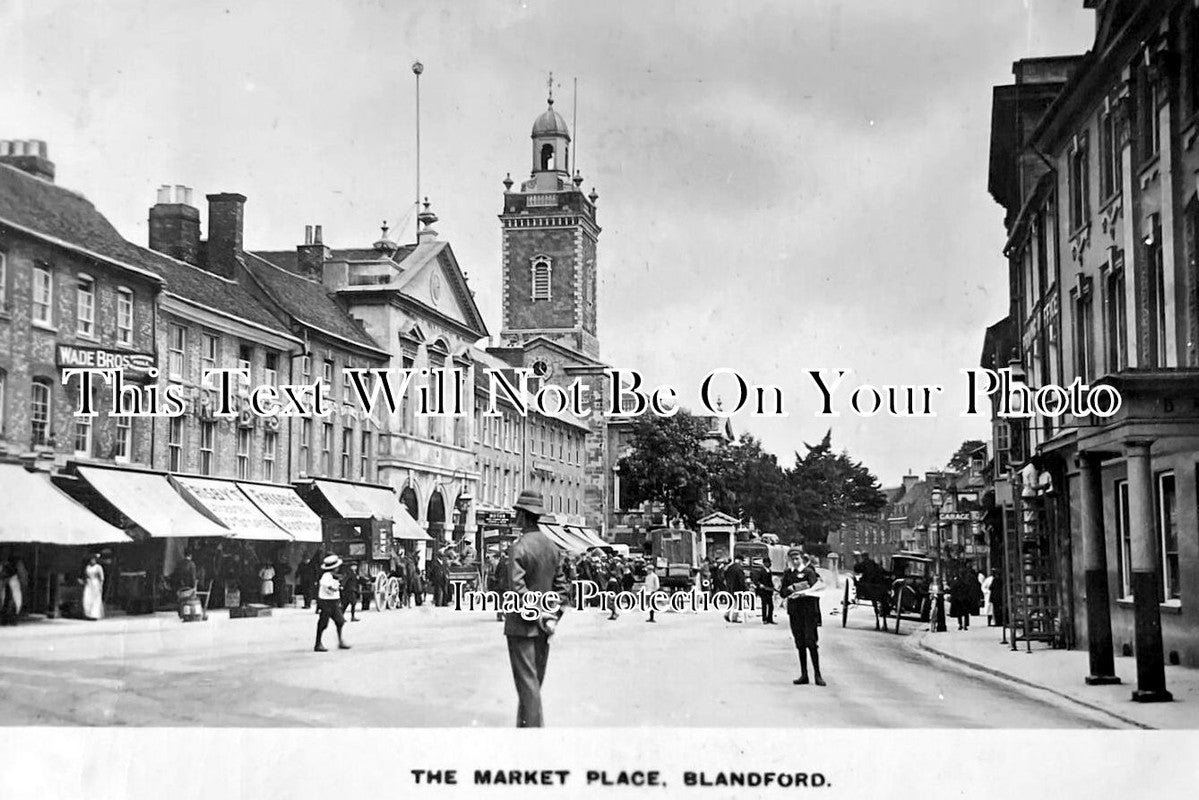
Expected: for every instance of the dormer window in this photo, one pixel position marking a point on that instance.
(541, 278)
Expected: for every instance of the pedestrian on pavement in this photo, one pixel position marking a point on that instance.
(612, 587)
(764, 587)
(800, 581)
(11, 596)
(534, 565)
(351, 591)
(651, 588)
(960, 598)
(266, 588)
(436, 572)
(304, 580)
(328, 603)
(93, 589)
(988, 608)
(495, 578)
(734, 582)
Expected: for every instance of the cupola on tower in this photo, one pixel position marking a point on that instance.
(549, 246)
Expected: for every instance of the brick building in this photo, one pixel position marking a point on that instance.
(72, 293)
(1093, 160)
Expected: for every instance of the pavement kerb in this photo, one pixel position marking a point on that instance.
(922, 636)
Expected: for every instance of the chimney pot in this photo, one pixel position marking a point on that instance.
(175, 224)
(28, 156)
(307, 234)
(317, 236)
(5, 147)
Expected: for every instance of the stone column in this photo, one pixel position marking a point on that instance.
(1146, 579)
(1094, 550)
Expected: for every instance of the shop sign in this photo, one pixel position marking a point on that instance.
(135, 366)
(495, 519)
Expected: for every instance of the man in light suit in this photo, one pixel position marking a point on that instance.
(534, 565)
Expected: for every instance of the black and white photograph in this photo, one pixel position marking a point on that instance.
(760, 398)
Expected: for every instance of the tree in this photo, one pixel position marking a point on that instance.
(747, 482)
(668, 465)
(961, 459)
(829, 489)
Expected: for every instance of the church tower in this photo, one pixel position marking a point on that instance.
(549, 244)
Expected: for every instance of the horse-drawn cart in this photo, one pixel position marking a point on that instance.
(902, 593)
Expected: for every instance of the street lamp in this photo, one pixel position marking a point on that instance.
(937, 623)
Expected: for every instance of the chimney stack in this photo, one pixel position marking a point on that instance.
(312, 255)
(226, 216)
(175, 224)
(27, 155)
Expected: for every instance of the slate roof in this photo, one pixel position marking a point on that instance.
(49, 210)
(306, 301)
(53, 211)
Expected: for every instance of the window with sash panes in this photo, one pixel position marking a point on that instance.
(3, 280)
(270, 370)
(347, 440)
(244, 441)
(85, 305)
(124, 439)
(305, 438)
(245, 362)
(83, 437)
(209, 352)
(364, 457)
(175, 444)
(39, 412)
(1167, 528)
(124, 316)
(327, 449)
(207, 439)
(43, 295)
(270, 442)
(176, 351)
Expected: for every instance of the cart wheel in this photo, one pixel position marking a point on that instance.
(898, 607)
(845, 605)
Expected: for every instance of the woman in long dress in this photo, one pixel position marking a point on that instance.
(93, 589)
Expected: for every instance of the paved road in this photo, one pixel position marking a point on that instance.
(436, 667)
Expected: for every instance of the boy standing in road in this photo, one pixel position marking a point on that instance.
(328, 603)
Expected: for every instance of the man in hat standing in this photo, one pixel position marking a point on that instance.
(328, 603)
(534, 565)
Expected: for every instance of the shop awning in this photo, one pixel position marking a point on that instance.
(32, 509)
(286, 509)
(356, 501)
(559, 537)
(150, 502)
(229, 504)
(586, 534)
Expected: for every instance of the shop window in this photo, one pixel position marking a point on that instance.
(1123, 540)
(1167, 526)
(175, 444)
(124, 316)
(270, 441)
(207, 439)
(85, 306)
(244, 439)
(123, 448)
(176, 350)
(43, 295)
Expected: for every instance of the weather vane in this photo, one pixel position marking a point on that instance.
(549, 84)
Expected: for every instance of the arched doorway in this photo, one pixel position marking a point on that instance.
(436, 518)
(408, 498)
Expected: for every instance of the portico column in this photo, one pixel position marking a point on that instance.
(1094, 553)
(1151, 670)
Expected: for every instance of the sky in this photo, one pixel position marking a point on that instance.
(783, 186)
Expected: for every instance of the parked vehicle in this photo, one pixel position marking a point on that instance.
(676, 551)
(902, 593)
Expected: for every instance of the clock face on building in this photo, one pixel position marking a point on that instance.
(435, 287)
(541, 368)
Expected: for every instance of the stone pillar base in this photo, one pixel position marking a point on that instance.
(1151, 696)
(1102, 680)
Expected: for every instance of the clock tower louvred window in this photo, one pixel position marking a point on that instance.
(541, 278)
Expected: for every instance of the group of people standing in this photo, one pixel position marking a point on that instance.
(972, 593)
